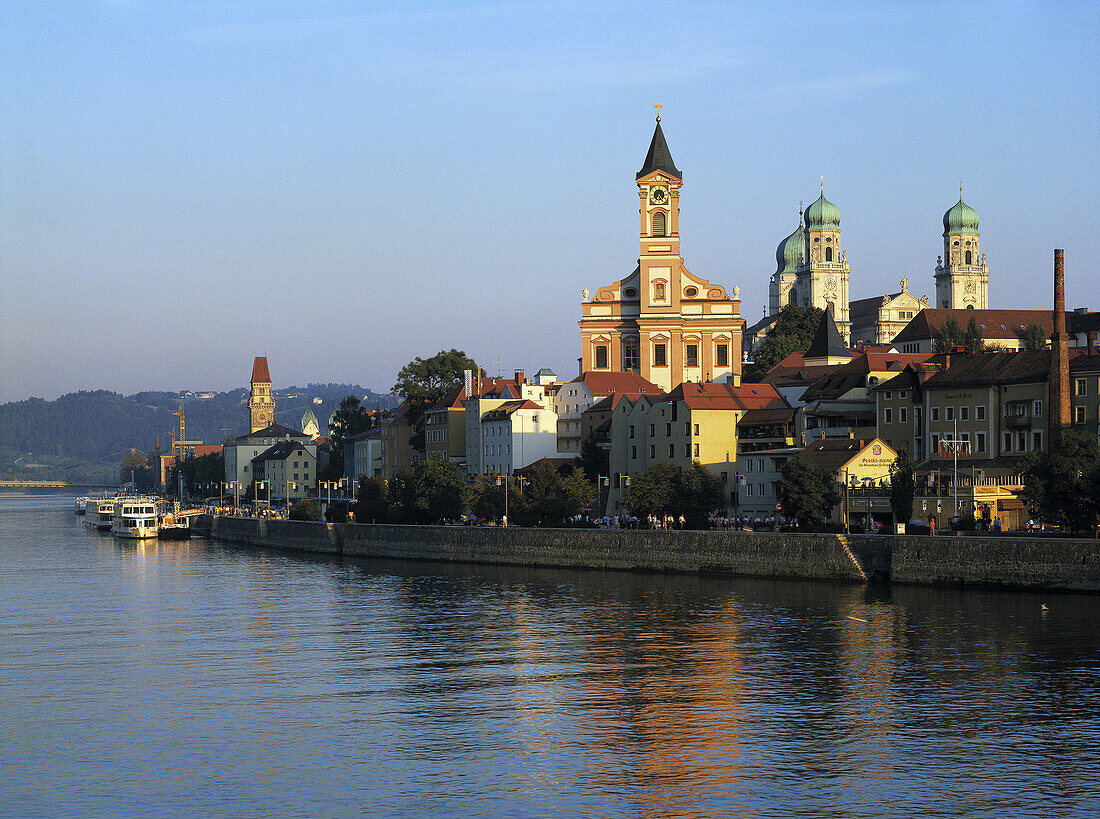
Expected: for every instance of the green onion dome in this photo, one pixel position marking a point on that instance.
(960, 219)
(789, 254)
(822, 215)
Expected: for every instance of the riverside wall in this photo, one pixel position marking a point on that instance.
(1005, 561)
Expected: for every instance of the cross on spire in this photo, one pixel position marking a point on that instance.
(658, 106)
(823, 183)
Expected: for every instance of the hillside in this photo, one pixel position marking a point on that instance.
(85, 426)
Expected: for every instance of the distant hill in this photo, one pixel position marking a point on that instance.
(83, 426)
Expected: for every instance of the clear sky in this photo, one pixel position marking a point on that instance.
(343, 186)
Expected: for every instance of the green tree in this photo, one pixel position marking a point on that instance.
(305, 510)
(349, 419)
(548, 499)
(807, 492)
(652, 492)
(902, 487)
(401, 497)
(489, 499)
(950, 337)
(1035, 337)
(197, 472)
(666, 489)
(595, 459)
(442, 491)
(423, 381)
(371, 505)
(793, 331)
(1063, 485)
(972, 336)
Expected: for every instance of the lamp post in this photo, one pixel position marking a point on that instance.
(345, 484)
(601, 482)
(266, 485)
(289, 484)
(236, 492)
(503, 479)
(624, 481)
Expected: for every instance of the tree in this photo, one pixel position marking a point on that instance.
(349, 419)
(370, 504)
(136, 467)
(1035, 337)
(807, 492)
(793, 331)
(972, 336)
(305, 510)
(197, 472)
(422, 382)
(902, 487)
(442, 491)
(549, 499)
(950, 337)
(666, 489)
(1063, 485)
(595, 459)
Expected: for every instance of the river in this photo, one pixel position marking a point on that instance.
(196, 679)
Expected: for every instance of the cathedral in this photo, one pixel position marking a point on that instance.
(812, 271)
(662, 321)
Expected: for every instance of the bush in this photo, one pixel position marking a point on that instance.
(305, 510)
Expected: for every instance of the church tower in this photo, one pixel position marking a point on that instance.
(788, 258)
(962, 276)
(662, 321)
(261, 405)
(822, 279)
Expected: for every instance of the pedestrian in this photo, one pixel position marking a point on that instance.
(681, 520)
(997, 525)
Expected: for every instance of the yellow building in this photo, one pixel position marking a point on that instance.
(290, 470)
(695, 423)
(662, 321)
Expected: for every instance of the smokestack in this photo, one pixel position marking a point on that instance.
(1059, 356)
(519, 377)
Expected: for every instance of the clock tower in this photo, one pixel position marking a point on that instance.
(822, 278)
(662, 321)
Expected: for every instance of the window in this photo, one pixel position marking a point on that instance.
(748, 489)
(722, 355)
(652, 452)
(935, 413)
(935, 442)
(979, 412)
(969, 257)
(888, 396)
(691, 355)
(903, 414)
(668, 430)
(659, 355)
(760, 464)
(633, 453)
(748, 465)
(760, 489)
(949, 414)
(631, 430)
(964, 413)
(1079, 386)
(828, 254)
(652, 430)
(1078, 415)
(671, 450)
(903, 394)
(1037, 409)
(601, 357)
(979, 444)
(697, 450)
(630, 357)
(1021, 442)
(696, 429)
(659, 223)
(887, 416)
(1037, 439)
(687, 450)
(1007, 442)
(659, 291)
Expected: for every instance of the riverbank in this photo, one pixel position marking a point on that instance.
(1003, 561)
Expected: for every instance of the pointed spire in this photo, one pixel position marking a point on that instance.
(659, 158)
(827, 341)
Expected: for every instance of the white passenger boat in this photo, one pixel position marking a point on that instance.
(135, 517)
(80, 506)
(100, 513)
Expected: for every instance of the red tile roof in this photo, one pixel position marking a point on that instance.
(995, 324)
(603, 382)
(723, 396)
(259, 370)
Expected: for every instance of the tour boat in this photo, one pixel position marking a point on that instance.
(174, 527)
(135, 517)
(81, 506)
(100, 513)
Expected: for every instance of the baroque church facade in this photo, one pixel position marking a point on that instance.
(662, 321)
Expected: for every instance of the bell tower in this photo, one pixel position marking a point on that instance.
(659, 183)
(962, 275)
(261, 404)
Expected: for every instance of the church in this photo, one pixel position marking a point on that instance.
(662, 321)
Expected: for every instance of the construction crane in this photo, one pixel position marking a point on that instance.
(180, 454)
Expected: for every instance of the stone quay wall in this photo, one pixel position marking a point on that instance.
(1006, 561)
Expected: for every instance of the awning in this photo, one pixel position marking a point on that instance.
(1009, 504)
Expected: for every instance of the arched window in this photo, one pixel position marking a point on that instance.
(829, 254)
(659, 291)
(659, 223)
(968, 257)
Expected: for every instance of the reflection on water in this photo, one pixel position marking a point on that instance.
(189, 678)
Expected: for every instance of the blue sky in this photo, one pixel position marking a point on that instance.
(343, 186)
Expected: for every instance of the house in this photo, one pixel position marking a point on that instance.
(287, 470)
(574, 397)
(239, 454)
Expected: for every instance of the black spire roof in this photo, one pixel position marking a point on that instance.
(827, 341)
(658, 158)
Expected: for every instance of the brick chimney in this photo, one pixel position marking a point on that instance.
(520, 379)
(1059, 356)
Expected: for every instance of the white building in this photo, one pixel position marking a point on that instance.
(516, 434)
(576, 396)
(239, 454)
